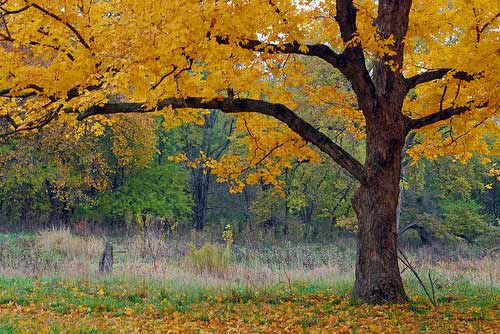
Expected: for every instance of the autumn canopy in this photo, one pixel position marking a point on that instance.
(393, 67)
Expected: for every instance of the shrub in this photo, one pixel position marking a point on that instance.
(62, 244)
(153, 233)
(210, 258)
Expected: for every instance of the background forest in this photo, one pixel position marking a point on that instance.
(104, 184)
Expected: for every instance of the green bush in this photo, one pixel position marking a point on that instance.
(159, 191)
(210, 258)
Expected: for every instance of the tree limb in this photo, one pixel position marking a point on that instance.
(437, 74)
(351, 62)
(67, 24)
(353, 66)
(10, 120)
(317, 50)
(8, 92)
(231, 105)
(346, 18)
(33, 125)
(414, 124)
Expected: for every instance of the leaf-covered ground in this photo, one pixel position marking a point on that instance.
(50, 306)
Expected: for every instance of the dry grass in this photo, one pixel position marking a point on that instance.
(462, 264)
(62, 243)
(58, 252)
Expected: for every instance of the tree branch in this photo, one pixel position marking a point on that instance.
(353, 66)
(346, 18)
(231, 105)
(33, 125)
(317, 50)
(483, 28)
(414, 124)
(67, 24)
(10, 120)
(8, 92)
(14, 11)
(437, 74)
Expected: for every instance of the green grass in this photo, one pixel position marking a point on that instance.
(114, 294)
(109, 295)
(63, 306)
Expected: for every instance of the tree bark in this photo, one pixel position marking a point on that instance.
(378, 279)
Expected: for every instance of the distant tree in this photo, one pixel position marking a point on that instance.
(450, 199)
(159, 191)
(198, 144)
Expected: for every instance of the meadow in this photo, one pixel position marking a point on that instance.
(49, 284)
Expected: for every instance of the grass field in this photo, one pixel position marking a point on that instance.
(48, 284)
(30, 305)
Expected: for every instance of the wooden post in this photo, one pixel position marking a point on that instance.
(106, 263)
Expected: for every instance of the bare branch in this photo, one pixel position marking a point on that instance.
(487, 24)
(264, 157)
(441, 102)
(164, 77)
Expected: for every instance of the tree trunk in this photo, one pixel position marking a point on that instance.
(285, 219)
(333, 224)
(306, 213)
(378, 279)
(201, 185)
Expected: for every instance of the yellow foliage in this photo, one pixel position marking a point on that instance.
(146, 51)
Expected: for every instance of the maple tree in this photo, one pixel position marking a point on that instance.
(407, 65)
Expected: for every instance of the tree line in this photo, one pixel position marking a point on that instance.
(110, 180)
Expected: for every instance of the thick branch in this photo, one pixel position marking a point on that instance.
(346, 18)
(8, 92)
(317, 50)
(414, 124)
(229, 105)
(354, 65)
